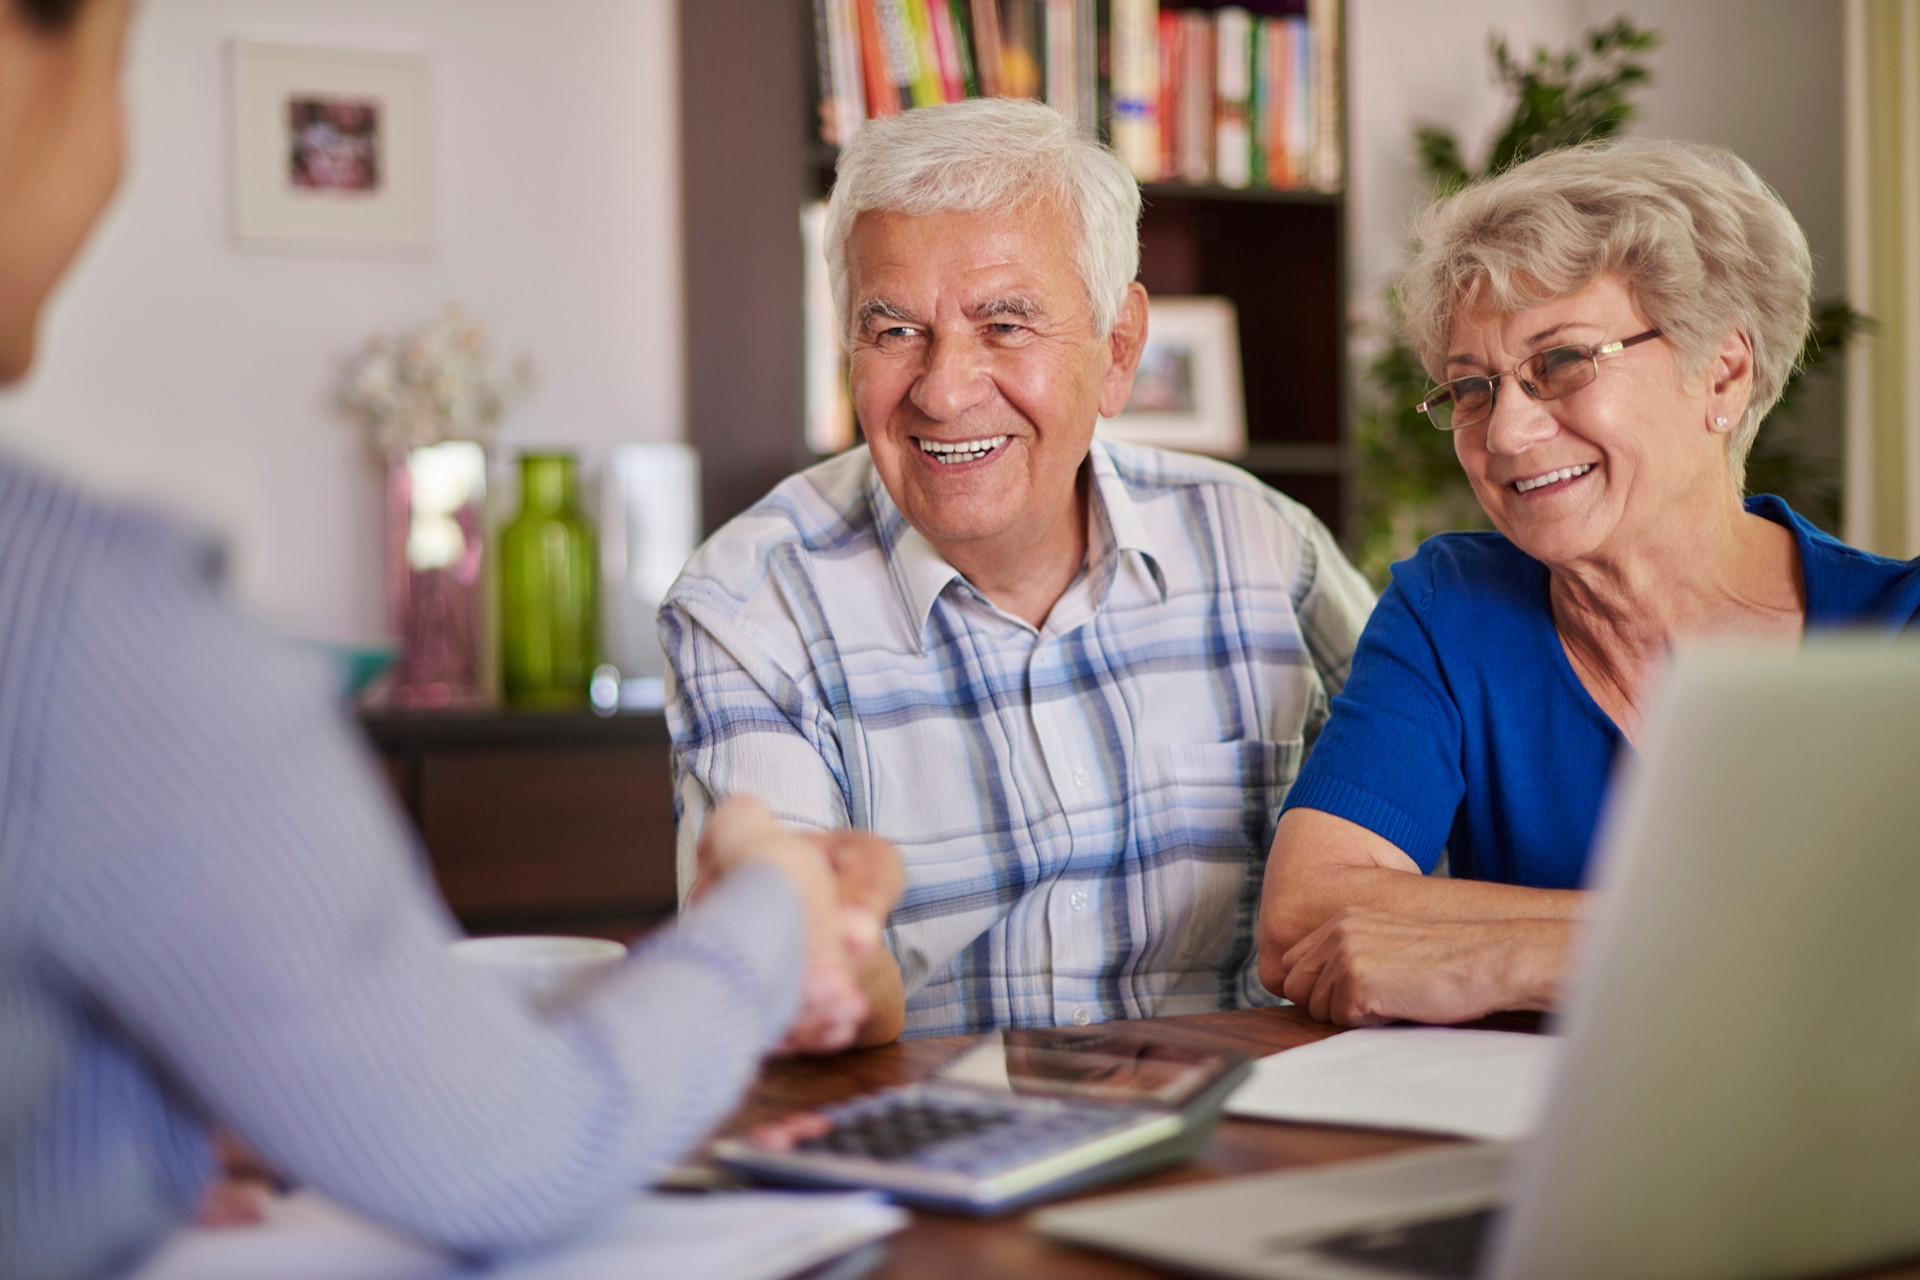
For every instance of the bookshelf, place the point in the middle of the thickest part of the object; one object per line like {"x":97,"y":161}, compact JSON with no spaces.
{"x":751,"y":157}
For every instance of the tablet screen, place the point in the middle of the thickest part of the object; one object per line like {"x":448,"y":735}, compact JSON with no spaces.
{"x":1101,"y":1063}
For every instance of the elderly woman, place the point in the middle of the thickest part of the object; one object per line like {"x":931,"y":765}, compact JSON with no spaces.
{"x":1608,"y":325}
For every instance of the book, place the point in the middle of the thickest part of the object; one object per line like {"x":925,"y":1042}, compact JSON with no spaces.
{"x":1328,"y":163}
{"x":923,"y":71}
{"x":883,"y":99}
{"x":897,"y":51}
{"x":1135,"y":45}
{"x":843,"y":55}
{"x":1195,"y":143}
{"x":1022,"y":38}
{"x":986,"y":45}
{"x":963,"y":48}
{"x":1299,"y":121}
{"x":1260,"y":104}
{"x":823,"y":73}
{"x":1233,"y":94}
{"x":1172,"y":58}
{"x":946,"y":55}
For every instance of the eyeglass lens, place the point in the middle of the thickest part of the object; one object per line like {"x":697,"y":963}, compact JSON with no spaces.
{"x":1546,"y":375}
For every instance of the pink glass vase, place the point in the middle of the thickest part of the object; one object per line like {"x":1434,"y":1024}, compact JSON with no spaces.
{"x":436,"y":522}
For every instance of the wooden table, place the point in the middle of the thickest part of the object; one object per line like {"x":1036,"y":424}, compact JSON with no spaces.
{"x":938,"y":1246}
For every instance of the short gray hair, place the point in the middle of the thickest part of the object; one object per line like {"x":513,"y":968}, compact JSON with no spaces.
{"x":992,"y":155}
{"x":1702,"y":243}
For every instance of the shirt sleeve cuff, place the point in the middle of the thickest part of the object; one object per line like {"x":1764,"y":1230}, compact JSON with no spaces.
{"x":1363,"y":808}
{"x":751,"y":930}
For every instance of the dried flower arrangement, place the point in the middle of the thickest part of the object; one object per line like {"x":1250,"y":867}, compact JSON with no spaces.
{"x":434,"y":384}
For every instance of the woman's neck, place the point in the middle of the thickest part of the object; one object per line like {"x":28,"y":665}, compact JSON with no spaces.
{"x":1620,"y":615}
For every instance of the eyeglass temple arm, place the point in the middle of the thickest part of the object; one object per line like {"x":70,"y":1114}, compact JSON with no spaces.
{"x":1611,"y":347}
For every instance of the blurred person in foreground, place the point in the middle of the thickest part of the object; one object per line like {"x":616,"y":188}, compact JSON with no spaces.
{"x":210,"y":915}
{"x":1070,"y":679}
{"x":1608,"y":325}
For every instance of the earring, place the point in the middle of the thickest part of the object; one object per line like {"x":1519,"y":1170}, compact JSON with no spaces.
{"x":1720,"y":421}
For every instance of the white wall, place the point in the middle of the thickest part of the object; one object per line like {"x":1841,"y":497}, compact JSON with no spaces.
{"x":176,"y":366}
{"x":1762,"y":77}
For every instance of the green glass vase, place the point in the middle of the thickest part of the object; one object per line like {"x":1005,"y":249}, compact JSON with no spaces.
{"x":549,"y":606}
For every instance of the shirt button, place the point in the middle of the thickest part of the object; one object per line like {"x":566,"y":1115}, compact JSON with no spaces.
{"x":1077,"y":899}
{"x":1081,"y":1017}
{"x":1081,"y":778}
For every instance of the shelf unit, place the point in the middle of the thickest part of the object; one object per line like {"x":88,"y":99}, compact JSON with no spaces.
{"x":751,"y":157}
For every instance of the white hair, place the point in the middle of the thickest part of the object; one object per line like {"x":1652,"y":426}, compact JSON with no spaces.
{"x":992,"y":155}
{"x":1703,"y":244}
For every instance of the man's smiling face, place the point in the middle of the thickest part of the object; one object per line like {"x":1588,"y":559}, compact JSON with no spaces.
{"x":977,"y":375}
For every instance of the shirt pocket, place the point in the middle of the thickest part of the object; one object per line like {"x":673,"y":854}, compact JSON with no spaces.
{"x":1207,"y":813}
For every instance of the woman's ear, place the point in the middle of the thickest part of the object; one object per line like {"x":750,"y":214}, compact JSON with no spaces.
{"x":1730,"y":383}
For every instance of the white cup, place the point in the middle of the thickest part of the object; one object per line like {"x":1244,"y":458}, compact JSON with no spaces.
{"x":546,"y":972}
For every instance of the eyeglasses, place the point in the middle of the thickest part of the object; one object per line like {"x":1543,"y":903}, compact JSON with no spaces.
{"x":1544,"y":375}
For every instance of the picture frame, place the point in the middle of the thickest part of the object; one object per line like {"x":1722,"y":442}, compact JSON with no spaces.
{"x":1187,"y":393}
{"x":331,"y":151}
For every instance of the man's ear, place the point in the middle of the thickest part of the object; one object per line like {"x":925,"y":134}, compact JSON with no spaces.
{"x":1124,"y":345}
{"x":1729,"y":382}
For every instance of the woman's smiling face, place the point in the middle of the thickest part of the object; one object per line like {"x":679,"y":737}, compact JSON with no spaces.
{"x":1632,"y":456}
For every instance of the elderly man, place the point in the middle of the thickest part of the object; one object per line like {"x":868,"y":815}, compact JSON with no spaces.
{"x":1070,"y":680}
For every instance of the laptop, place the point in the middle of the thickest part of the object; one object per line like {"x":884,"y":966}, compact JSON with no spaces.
{"x":1739,"y":1094}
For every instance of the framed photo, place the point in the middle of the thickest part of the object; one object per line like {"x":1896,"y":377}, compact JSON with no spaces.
{"x":1187,"y":393}
{"x":331,"y":151}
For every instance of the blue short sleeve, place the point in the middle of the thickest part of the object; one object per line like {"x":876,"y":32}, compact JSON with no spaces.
{"x":1390,"y":756}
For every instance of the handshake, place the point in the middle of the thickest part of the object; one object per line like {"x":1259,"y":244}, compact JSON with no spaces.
{"x":848,"y":882}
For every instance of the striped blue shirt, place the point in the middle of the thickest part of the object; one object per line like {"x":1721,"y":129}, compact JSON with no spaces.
{"x":210,"y":913}
{"x":1084,"y":808}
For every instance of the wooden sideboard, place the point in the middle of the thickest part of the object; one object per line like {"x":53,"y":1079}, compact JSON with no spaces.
{"x":538,"y":822}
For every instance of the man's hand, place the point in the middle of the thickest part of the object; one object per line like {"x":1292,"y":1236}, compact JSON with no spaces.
{"x":843,"y":916}
{"x":871,"y":880}
{"x":1366,"y":967}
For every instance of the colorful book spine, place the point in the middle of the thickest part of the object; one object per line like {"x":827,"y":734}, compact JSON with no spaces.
{"x":897,"y":51}
{"x":883,"y":99}
{"x":1023,"y":39}
{"x":962,"y":36}
{"x":1135,"y":54}
{"x":986,"y":45}
{"x":1260,"y":105}
{"x":1233,"y":96}
{"x":1195,"y":143}
{"x":849,"y":87}
{"x":1172,"y":58}
{"x":925,"y":83}
{"x":1327,"y":169}
{"x":1299,"y":100}
{"x":829,"y":109}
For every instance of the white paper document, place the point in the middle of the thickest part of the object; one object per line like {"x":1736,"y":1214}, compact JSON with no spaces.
{"x":1475,"y":1084}
{"x":747,"y":1235}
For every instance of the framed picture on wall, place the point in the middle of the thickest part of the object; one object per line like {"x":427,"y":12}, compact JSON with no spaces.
{"x":1187,"y":394}
{"x":330,"y":149}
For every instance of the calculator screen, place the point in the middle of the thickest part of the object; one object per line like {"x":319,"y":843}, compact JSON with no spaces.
{"x":1102,"y":1063}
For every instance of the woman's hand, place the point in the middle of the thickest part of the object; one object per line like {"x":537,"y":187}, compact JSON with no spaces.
{"x":1366,"y":967}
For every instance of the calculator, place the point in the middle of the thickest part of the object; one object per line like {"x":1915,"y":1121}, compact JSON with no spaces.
{"x":1025,"y":1115}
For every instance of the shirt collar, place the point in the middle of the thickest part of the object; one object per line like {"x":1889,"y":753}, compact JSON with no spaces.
{"x":921,"y":573}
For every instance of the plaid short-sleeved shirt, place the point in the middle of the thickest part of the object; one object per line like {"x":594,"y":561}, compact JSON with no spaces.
{"x":1084,"y":809}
